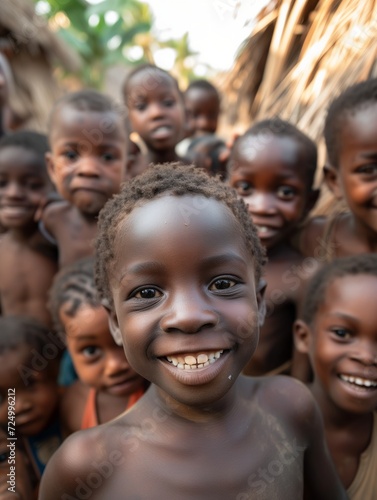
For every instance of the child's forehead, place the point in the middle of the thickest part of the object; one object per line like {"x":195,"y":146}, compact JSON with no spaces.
{"x":272,"y":149}
{"x":148,"y":81}
{"x":22,"y":156}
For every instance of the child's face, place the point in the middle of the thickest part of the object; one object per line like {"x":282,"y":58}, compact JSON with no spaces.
{"x":185,"y":296}
{"x":24,"y":186}
{"x":98,"y":360}
{"x":35,"y":386}
{"x":356,"y":176}
{"x":343,"y":344}
{"x":269,"y":173}
{"x":88,"y":157}
{"x":156,"y":110}
{"x":202,"y":111}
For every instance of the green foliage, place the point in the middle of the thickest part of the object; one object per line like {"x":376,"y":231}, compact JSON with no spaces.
{"x":100,"y":43}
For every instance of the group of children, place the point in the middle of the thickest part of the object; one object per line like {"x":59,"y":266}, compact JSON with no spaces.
{"x":156,"y":298}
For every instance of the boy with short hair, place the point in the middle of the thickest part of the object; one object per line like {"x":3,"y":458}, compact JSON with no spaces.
{"x":337,"y":329}
{"x":155,"y":111}
{"x":179,"y":262}
{"x":272,"y":168}
{"x":87,"y":161}
{"x":351,"y":175}
{"x":27,"y":263}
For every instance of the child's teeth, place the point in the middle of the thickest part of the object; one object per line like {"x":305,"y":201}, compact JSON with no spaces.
{"x":191,"y":362}
{"x":361,"y":382}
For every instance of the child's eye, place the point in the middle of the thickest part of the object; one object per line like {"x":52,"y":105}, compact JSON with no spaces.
{"x":34,"y":185}
{"x":222,"y":284}
{"x":147,"y":293}
{"x":3,"y":183}
{"x":108,"y":156}
{"x":91,"y":351}
{"x":140,"y":106}
{"x":286,"y":192}
{"x":341,"y":333}
{"x":168,"y":103}
{"x":368,"y":169}
{"x":70,"y":154}
{"x":243,"y":188}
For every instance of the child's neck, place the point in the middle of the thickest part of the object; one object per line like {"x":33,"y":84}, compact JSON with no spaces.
{"x":364,"y":235}
{"x":164,"y":156}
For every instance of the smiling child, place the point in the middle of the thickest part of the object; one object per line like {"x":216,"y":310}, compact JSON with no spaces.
{"x":338,"y":331}
{"x":272,"y":167}
{"x":180,"y":263}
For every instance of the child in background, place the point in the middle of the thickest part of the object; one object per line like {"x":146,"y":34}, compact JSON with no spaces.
{"x":179,"y":262}
{"x":272,"y":168}
{"x":87,"y":162}
{"x":27,"y":263}
{"x":29,"y":365}
{"x":107,"y":385}
{"x":202,"y":104}
{"x":155,"y":111}
{"x":351,"y":174}
{"x":338,"y":330}
{"x":206,"y":152}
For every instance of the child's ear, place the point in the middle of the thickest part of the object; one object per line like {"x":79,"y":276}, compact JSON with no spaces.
{"x":301,"y":336}
{"x":331,"y":176}
{"x":50,"y":166}
{"x":114,"y":328}
{"x":113,"y":323}
{"x":262,"y":309}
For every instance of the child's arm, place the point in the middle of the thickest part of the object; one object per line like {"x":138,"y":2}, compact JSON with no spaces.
{"x":320,"y":477}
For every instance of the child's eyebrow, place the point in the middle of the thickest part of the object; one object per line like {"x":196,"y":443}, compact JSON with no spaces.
{"x":370,"y":156}
{"x":144,"y":268}
{"x":345,"y":316}
{"x":226,"y":258}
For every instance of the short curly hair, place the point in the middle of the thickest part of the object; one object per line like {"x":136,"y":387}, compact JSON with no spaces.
{"x":73,"y":286}
{"x":315,"y":294}
{"x":281,"y":128}
{"x":352,"y":100}
{"x":167,"y":179}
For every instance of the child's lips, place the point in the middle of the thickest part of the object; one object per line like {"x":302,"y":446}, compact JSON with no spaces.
{"x":162,"y":132}
{"x":358,"y":386}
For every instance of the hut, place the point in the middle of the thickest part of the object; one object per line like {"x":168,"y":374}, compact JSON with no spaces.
{"x":33,"y":50}
{"x":299,"y":56}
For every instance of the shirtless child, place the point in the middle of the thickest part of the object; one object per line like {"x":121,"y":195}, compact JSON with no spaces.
{"x":272,"y":167}
{"x":27,"y":263}
{"x":87,"y":163}
{"x":180,"y":263}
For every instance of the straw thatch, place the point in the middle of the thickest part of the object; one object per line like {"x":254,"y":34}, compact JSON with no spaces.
{"x":32,"y":50}
{"x":300,"y":55}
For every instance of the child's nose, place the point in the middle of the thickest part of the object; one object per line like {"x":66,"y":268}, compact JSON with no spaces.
{"x":116,"y":362}
{"x":365,"y":353}
{"x":261,"y":203}
{"x":156,"y":110}
{"x":88,"y":166}
{"x":189,"y":313}
{"x":13,"y":190}
{"x":23,"y":405}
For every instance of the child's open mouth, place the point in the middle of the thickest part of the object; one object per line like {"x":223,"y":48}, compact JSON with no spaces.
{"x":193,"y":362}
{"x":360,"y":382}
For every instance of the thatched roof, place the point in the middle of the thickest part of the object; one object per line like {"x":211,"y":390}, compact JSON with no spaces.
{"x":299,"y":56}
{"x":32,"y":50}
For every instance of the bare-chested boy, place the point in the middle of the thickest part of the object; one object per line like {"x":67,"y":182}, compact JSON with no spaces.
{"x":27,"y":263}
{"x":87,"y":161}
{"x":272,"y":167}
{"x":180,"y":262}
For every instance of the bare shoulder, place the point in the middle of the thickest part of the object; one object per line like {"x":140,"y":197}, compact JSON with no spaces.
{"x":80,"y":457}
{"x":290,"y":399}
{"x":55,"y":212}
{"x":311,"y":233}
